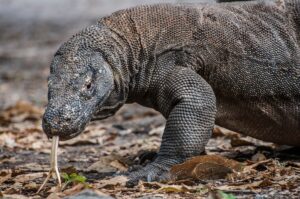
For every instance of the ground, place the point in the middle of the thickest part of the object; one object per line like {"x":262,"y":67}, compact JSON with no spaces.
{"x":233,"y":166}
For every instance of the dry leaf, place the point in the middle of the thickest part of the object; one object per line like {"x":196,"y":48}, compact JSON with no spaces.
{"x":75,"y":189}
{"x":28,"y":177}
{"x":108,"y":164}
{"x":31,"y":186}
{"x":205,"y":167}
{"x":258,"y":157}
{"x":253,"y":166}
{"x":14,"y":196}
{"x":245,"y":186}
{"x":53,"y":196}
{"x":174,"y":189}
{"x":238,"y":141}
{"x":119,"y":165}
{"x":5,"y":175}
{"x":210,"y":171}
{"x":112,"y":182}
{"x":21,"y":111}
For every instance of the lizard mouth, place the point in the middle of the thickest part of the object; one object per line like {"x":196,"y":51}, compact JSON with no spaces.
{"x":69,"y":136}
{"x":63,"y":136}
{"x":67,"y":131}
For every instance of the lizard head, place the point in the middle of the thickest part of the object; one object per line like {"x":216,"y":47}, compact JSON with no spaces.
{"x":79,"y":83}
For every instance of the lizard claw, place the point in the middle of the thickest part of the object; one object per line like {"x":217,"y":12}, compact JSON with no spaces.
{"x":151,"y":172}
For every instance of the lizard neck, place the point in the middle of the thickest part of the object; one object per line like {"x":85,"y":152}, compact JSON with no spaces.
{"x":115,"y":52}
{"x":138,"y":67}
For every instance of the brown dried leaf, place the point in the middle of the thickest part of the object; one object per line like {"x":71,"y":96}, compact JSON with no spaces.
{"x":53,"y":196}
{"x":174,"y":189}
{"x":152,"y":185}
{"x":205,"y":167}
{"x":75,"y":189}
{"x":112,"y":182}
{"x":28,"y":177}
{"x":238,"y":141}
{"x":15,"y":196}
{"x":5,"y":175}
{"x":119,"y":165}
{"x":108,"y":164}
{"x":248,"y":168}
{"x":253,"y":185}
{"x":21,"y":111}
{"x":210,"y":171}
{"x":258,"y":157}
{"x":31,"y":186}
{"x":220,"y":132}
{"x":69,"y":170}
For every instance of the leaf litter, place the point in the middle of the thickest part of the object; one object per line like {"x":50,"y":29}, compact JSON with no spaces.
{"x":234,"y":166}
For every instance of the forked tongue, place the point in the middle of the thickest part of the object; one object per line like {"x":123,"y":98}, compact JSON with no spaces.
{"x":53,"y":164}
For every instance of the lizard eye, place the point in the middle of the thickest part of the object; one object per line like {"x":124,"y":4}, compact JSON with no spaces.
{"x":89,"y":86}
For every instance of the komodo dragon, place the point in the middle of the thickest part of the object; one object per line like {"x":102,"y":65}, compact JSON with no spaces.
{"x":236,"y":65}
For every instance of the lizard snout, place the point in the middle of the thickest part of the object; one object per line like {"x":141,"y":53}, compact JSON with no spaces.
{"x":56,"y":123}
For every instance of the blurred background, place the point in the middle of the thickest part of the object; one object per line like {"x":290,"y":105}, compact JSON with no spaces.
{"x":31,"y":32}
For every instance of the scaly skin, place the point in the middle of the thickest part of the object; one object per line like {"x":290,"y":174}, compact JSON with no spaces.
{"x":232,"y":64}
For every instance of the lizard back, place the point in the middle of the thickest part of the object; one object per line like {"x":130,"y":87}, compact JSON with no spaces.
{"x":248,"y":52}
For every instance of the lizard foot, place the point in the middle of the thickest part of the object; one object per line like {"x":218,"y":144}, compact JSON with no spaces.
{"x":155,"y":171}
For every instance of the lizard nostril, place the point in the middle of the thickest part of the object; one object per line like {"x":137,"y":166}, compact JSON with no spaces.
{"x":55,"y":119}
{"x":68,"y":119}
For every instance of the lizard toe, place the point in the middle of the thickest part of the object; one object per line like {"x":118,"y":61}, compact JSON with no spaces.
{"x":151,"y":172}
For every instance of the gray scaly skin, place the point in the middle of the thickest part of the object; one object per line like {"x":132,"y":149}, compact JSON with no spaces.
{"x":236,"y":65}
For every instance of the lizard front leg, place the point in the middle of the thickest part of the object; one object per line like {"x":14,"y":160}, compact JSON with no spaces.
{"x":189,"y":104}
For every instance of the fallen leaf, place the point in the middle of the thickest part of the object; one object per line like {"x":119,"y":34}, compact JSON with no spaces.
{"x":258,"y":157}
{"x":75,"y":189}
{"x":68,"y":170}
{"x":19,"y":112}
{"x":248,"y":168}
{"x":174,"y":189}
{"x":31,"y":186}
{"x":5,"y":175}
{"x":53,"y":196}
{"x":211,"y":171}
{"x":238,"y":141}
{"x":112,"y":182}
{"x":205,"y":167}
{"x":8,"y":140}
{"x":119,"y":165}
{"x":252,"y":185}
{"x":108,"y":164}
{"x":165,"y":188}
{"x":152,"y":185}
{"x":28,"y":177}
{"x":14,"y":196}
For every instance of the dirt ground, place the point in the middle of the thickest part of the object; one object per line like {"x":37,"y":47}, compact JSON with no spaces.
{"x":233,"y":167}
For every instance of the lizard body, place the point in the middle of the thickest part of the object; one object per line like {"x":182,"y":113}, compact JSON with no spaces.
{"x":236,"y":65}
